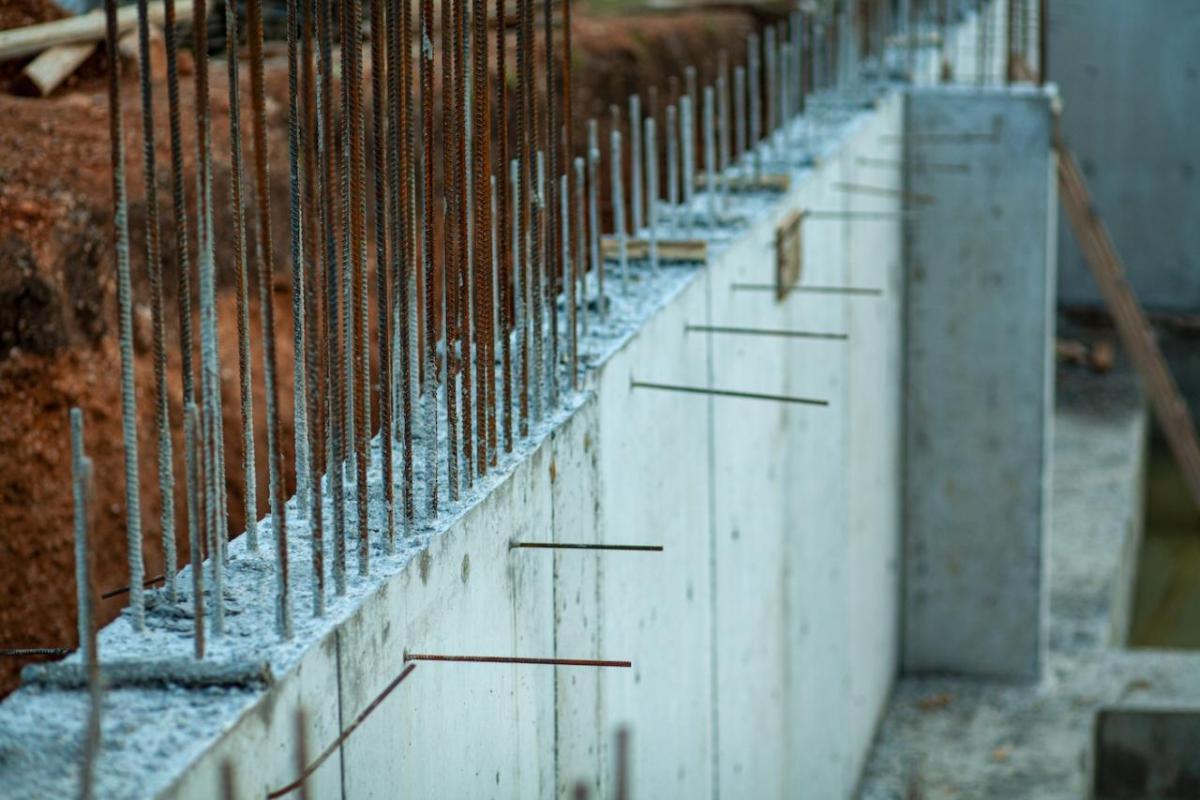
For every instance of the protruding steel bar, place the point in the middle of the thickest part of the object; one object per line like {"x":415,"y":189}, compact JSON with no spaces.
{"x":283,"y":605}
{"x":485,"y":383}
{"x":522,"y":192}
{"x":739,"y":111}
{"x":506,"y":192}
{"x":594,"y":217}
{"x":672,"y":160}
{"x":217,"y":546}
{"x":771,"y":69}
{"x":49,"y":652}
{"x":520,"y":285}
{"x":162,"y":415}
{"x":652,"y":190}
{"x":636,"y":548}
{"x":552,"y":144}
{"x":462,"y":250}
{"x":237,"y":184}
{"x":129,"y":418}
{"x":551,"y":662}
{"x":87,"y":618}
{"x":618,"y":203}
{"x":537,"y":266}
{"x":191,"y":443}
{"x":710,"y":156}
{"x":302,"y":461}
{"x":312,"y":280}
{"x":406,"y":272}
{"x":847,"y":290}
{"x":450,"y":9}
{"x":79,"y":491}
{"x":787,"y":334}
{"x":779,"y":398}
{"x":333,"y":747}
{"x":579,"y":282}
{"x":688,"y":145}
{"x":722,"y":86}
{"x":784,"y":83}
{"x":429,"y":408}
{"x":568,"y":280}
{"x":636,"y":188}
{"x":755,"y":74}
{"x":357,"y":233}
{"x":386,"y":244}
{"x":148,"y":583}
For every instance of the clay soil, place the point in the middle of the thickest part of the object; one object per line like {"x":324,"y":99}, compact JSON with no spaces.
{"x":57,"y":307}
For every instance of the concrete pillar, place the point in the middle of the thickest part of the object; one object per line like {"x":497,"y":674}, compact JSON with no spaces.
{"x":980,"y":299}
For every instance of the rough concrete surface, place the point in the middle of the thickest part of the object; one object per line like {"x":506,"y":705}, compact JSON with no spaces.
{"x":946,"y":738}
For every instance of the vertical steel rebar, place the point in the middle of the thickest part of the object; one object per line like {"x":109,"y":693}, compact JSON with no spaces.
{"x":754,"y":73}
{"x":133,"y":507}
{"x":358,"y":256}
{"x":297,"y":234}
{"x":594,"y":217}
{"x":537,"y":266}
{"x":568,"y":280}
{"x":429,"y":391}
{"x":524,"y":160}
{"x":672,"y":160}
{"x":710,"y":153}
{"x":83,"y":597}
{"x":162,"y":416}
{"x":618,"y":203}
{"x":450,"y":231}
{"x":652,"y":191}
{"x":505,"y":192}
{"x":405,"y":275}
{"x":485,"y":400}
{"x":739,"y":112}
{"x":237,"y":186}
{"x":191,"y":443}
{"x":463,"y":251}
{"x":688,"y":145}
{"x":636,"y":192}
{"x":519,"y":284}
{"x":551,"y":144}
{"x":579,"y":275}
{"x":381,"y":24}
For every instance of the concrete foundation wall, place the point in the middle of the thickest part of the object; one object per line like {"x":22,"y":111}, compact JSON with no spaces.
{"x":1129,"y":75}
{"x":980,"y":286}
{"x":764,"y":639}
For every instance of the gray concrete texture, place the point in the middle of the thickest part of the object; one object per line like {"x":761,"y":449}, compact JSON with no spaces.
{"x":1129,"y":74}
{"x":979,"y":382}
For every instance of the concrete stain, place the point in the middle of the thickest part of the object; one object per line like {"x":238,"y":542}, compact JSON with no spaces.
{"x":423,"y":564}
{"x":466,"y":568}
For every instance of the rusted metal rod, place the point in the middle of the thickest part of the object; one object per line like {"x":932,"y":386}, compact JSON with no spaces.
{"x":552,"y":662}
{"x":779,"y":398}
{"x":638,"y":548}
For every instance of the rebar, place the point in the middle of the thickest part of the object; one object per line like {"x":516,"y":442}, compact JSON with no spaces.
{"x":672,"y":160}
{"x":519,"y":287}
{"x":579,"y":280}
{"x":297,"y":233}
{"x":450,"y":229}
{"x":618,"y":203}
{"x":635,"y":163}
{"x":779,"y":398}
{"x":191,"y":443}
{"x":429,"y":387}
{"x":505,"y":264}
{"x":404,"y":275}
{"x":79,"y":491}
{"x":552,"y":662}
{"x":358,"y":257}
{"x":688,"y":146}
{"x":383,"y":141}
{"x":552,"y":144}
{"x":594,"y":216}
{"x":710,"y":154}
{"x":537,"y":289}
{"x":162,"y":415}
{"x":133,"y":506}
{"x":754,"y":72}
{"x":483,"y":263}
{"x":739,"y":111}
{"x":568,"y":278}
{"x":652,"y":191}
{"x":524,"y":160}
{"x":237,"y":186}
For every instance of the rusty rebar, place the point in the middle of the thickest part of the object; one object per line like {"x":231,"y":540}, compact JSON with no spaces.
{"x":552,"y":144}
{"x":552,"y":662}
{"x":343,"y":736}
{"x":485,"y":401}
{"x":383,"y":122}
{"x":162,"y":412}
{"x":237,"y":186}
{"x":116,"y":134}
{"x":505,"y":265}
{"x":301,"y":462}
{"x":450,"y":231}
{"x":358,"y":257}
{"x":429,"y":387}
{"x":779,"y":398}
{"x":579,"y":282}
{"x":463,"y":246}
{"x":525,"y":148}
{"x":191,"y":442}
{"x":632,"y":548}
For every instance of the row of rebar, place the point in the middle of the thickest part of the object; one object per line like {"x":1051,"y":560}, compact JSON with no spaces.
{"x":474,"y":254}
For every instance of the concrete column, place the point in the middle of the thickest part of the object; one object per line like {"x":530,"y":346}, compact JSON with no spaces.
{"x":980,"y":284}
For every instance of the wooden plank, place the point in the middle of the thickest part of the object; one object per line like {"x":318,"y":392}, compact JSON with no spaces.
{"x":677,"y":251}
{"x":789,"y":253}
{"x":55,"y":65}
{"x":33,"y":39}
{"x":1170,"y":409}
{"x":769,"y":182}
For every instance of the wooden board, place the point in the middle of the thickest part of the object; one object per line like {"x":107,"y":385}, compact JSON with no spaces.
{"x":679,"y":251}
{"x":33,"y":39}
{"x":1170,"y":409}
{"x":789,"y":253}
